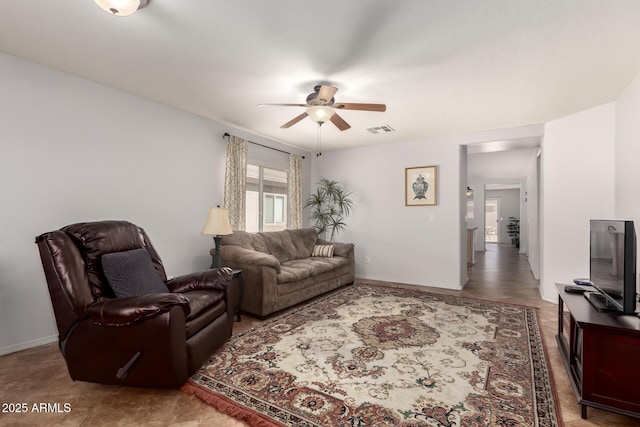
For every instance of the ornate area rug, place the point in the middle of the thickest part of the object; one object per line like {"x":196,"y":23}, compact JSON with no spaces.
{"x":376,"y":356}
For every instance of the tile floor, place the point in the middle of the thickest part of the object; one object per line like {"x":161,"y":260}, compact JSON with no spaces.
{"x":39,"y":375}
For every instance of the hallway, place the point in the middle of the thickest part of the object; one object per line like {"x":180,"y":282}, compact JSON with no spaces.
{"x":501,"y":273}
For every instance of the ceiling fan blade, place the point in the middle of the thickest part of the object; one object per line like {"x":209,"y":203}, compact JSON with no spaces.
{"x":293,"y":121}
{"x":282,"y":105}
{"x":339,"y":122}
{"x":326,"y":92}
{"x":363,"y":107}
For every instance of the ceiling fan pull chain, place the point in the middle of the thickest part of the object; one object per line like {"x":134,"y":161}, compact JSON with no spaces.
{"x":318,"y":152}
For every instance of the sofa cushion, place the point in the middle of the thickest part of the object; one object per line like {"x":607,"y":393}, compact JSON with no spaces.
{"x":285,"y":245}
{"x":294,"y":270}
{"x":290,"y":273}
{"x":246,"y":240}
{"x":305,"y":240}
{"x":239,"y":238}
{"x":259,"y":243}
{"x":290,"y":244}
{"x":132,"y":273}
{"x":279,"y":244}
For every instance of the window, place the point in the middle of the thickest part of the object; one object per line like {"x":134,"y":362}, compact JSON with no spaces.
{"x":266,"y":199}
{"x":274,"y":209}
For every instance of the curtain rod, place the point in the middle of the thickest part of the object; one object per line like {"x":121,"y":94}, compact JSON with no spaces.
{"x":226,"y":135}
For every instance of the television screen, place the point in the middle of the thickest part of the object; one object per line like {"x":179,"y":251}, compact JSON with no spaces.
{"x":612,"y":262}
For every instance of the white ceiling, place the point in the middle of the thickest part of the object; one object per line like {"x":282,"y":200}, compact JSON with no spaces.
{"x":442,"y":67}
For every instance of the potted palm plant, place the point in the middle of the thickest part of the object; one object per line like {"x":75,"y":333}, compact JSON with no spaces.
{"x":329,"y":205}
{"x":513,"y":229}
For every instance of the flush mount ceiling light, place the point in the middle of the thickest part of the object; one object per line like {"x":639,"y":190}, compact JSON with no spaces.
{"x":121,"y":7}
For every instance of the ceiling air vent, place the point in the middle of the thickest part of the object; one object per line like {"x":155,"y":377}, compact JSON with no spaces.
{"x":381,"y":129}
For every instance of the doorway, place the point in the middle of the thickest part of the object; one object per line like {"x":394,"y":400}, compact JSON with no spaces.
{"x":502,"y":158}
{"x":491,"y":220}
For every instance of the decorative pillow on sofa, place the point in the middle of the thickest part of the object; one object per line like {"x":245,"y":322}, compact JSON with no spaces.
{"x":131,"y":273}
{"x":323,"y":250}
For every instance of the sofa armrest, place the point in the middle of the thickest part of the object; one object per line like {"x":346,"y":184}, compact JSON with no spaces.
{"x":218,"y":278}
{"x":241,"y":257}
{"x":343,"y":249}
{"x":125,"y":311}
{"x":339,"y":249}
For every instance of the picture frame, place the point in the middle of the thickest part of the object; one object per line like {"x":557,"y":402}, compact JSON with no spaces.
{"x":421,"y":187}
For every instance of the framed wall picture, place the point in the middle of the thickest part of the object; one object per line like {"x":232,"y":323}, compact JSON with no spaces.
{"x":420,"y":187}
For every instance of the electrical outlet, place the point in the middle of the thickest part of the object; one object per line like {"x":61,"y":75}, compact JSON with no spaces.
{"x":367,"y":260}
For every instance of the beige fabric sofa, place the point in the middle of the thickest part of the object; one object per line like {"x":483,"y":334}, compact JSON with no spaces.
{"x":278,"y":268}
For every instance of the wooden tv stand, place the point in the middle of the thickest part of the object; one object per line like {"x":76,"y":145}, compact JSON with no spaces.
{"x":601,"y":351}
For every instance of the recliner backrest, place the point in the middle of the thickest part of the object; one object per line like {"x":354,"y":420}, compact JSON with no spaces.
{"x":71,"y":258}
{"x":95,"y":239}
{"x":67,"y":278}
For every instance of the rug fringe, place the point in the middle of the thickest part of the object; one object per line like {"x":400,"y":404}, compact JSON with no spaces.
{"x":552,"y":372}
{"x":229,"y":407}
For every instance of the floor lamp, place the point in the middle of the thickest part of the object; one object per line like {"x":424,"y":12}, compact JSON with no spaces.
{"x":217,"y":225}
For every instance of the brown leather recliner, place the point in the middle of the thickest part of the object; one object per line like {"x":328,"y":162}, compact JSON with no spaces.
{"x":151,"y":340}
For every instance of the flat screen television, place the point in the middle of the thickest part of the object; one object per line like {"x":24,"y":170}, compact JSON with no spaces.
{"x":612,"y":265}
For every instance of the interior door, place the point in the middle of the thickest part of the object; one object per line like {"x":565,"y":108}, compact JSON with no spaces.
{"x":491,"y":220}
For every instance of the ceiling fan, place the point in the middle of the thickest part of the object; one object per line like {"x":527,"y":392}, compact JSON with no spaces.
{"x":321,"y":106}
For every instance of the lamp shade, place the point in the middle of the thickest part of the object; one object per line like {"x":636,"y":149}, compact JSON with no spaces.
{"x":320,"y":113}
{"x":217,"y":222}
{"x":121,"y":7}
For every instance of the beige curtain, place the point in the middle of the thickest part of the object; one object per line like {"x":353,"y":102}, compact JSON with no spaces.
{"x":295,"y":191}
{"x":235,"y":181}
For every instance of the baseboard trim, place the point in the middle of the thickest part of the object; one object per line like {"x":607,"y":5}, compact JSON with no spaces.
{"x":28,"y":344}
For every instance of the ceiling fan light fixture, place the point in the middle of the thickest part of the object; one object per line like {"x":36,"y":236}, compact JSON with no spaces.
{"x":121,"y":7}
{"x":320,"y":113}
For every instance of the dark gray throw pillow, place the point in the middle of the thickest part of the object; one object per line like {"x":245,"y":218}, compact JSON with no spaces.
{"x":131,"y":273}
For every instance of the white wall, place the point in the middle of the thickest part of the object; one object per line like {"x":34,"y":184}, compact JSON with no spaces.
{"x":402,"y":243}
{"x":462,"y":203}
{"x":627,"y":155}
{"x":501,"y":166}
{"x":578,"y":183}
{"x":532,"y":203}
{"x":72,"y":150}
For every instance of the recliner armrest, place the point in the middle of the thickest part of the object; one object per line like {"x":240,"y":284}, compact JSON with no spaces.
{"x":125,"y":311}
{"x":217,"y":278}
